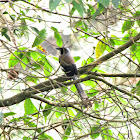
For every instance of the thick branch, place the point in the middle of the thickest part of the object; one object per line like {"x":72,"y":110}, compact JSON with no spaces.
{"x":46,"y":86}
{"x":109,"y":55}
{"x":124,"y":75}
{"x":97,"y":37}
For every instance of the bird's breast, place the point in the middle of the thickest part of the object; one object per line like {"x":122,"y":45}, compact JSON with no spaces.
{"x":66,"y":60}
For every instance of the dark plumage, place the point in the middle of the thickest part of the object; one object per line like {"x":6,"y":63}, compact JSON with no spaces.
{"x":67,"y":62}
{"x":69,"y":67}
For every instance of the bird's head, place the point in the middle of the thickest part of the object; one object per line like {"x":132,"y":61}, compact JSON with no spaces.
{"x":63,"y":50}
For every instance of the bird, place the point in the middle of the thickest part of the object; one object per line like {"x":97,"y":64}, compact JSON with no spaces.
{"x":69,"y":67}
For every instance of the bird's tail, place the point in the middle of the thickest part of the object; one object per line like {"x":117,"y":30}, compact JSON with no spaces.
{"x":82,"y":93}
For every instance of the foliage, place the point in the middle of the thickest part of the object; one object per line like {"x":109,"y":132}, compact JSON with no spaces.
{"x":38,"y":101}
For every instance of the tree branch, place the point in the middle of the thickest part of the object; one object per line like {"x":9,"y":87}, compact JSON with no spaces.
{"x":111,"y":54}
{"x":124,"y":75}
{"x":56,"y":13}
{"x":46,"y":86}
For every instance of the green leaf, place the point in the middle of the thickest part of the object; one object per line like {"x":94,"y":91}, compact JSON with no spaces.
{"x":90,"y":83}
{"x":4,"y":33}
{"x":93,"y":130}
{"x":55,"y":58}
{"x":98,"y":11}
{"x":116,"y":3}
{"x":7,"y":37}
{"x":100,"y":48}
{"x":24,"y":28}
{"x":5,"y":12}
{"x":92,"y":92}
{"x":84,"y":62}
{"x":72,"y":11}
{"x":22,"y":48}
{"x":135,"y":48}
{"x":53,"y":4}
{"x":9,"y":114}
{"x":120,"y":136}
{"x":26,"y":61}
{"x":22,"y":12}
{"x":64,"y":89}
{"x":79,"y":6}
{"x":107,"y":134}
{"x":59,"y":111}
{"x":137,"y":15}
{"x":116,"y":41}
{"x":73,"y":89}
{"x":129,"y":36}
{"x":68,"y":1}
{"x":79,"y":115}
{"x":29,"y":123}
{"x":71,"y":113}
{"x":90,"y":10}
{"x":78,"y":23}
{"x":76,"y":58}
{"x":47,"y":67}
{"x":29,"y":107}
{"x":42,"y":57}
{"x":96,"y":104}
{"x":110,"y":132}
{"x":40,"y":38}
{"x":12,"y":61}
{"x":20,"y":119}
{"x":33,"y":78}
{"x":47,"y":111}
{"x":138,"y":55}
{"x":66,"y":132}
{"x":12,"y":17}
{"x":35,"y":30}
{"x":105,"y":3}
{"x":90,"y":60}
{"x":30,"y":19}
{"x":34,"y":55}
{"x":45,"y":137}
{"x":17,"y":33}
{"x":127,"y":25}
{"x":57,"y":36}
{"x":26,"y":138}
{"x":36,"y":66}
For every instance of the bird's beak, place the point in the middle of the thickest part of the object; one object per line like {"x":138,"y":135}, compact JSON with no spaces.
{"x":58,"y":48}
